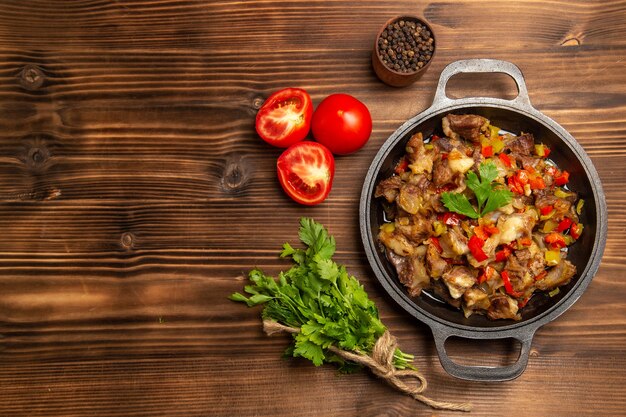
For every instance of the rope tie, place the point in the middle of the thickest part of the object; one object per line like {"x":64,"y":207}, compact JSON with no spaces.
{"x":381,"y":364}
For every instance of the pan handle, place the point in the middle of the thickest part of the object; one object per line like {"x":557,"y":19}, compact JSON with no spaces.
{"x":483,"y":373}
{"x":487,"y":66}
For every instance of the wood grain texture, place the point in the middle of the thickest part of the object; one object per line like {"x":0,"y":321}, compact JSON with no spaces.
{"x":135,"y":195}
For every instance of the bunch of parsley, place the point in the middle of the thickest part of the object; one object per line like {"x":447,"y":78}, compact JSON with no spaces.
{"x":318,"y":296}
{"x":490,"y":195}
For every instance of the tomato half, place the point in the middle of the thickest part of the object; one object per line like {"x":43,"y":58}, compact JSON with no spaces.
{"x":306,"y":171}
{"x":342,"y":123}
{"x":285,"y":117}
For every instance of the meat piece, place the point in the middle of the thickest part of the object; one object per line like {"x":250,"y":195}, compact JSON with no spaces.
{"x":517,"y":267}
{"x":458,"y":280}
{"x":454,"y":242}
{"x":397,"y":242}
{"x":466,"y":126}
{"x":411,"y":272}
{"x":557,"y":276}
{"x":561,"y":208}
{"x":459,"y":162}
{"x":521,"y":145}
{"x":389,"y":188}
{"x":442,"y":174}
{"x":476,"y":299}
{"x":410,"y":198}
{"x":420,"y":181}
{"x":418,"y":231}
{"x":545,"y":197}
{"x":516,"y":226}
{"x":441,"y":290}
{"x":537,"y":262}
{"x":446,"y":144}
{"x":437,"y":266}
{"x":503,"y":307}
{"x":415,"y":147}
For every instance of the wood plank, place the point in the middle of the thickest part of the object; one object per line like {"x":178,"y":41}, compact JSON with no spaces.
{"x":135,"y":195}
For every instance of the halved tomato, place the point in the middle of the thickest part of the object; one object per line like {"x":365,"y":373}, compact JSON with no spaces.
{"x":306,"y":171}
{"x":285,"y":117}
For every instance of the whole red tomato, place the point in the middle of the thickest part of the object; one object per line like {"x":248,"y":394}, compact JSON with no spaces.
{"x":342,"y":123}
{"x":305,"y":171}
{"x":285,"y":117}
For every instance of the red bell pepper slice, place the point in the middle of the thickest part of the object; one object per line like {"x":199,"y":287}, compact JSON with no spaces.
{"x":525,"y":241}
{"x":562,"y":179}
{"x":436,"y":244}
{"x":485,"y":274}
{"x":508,"y":286}
{"x":503,"y":254}
{"x":555,"y":240}
{"x":537,"y":183}
{"x":434,"y":138}
{"x":487,"y":151}
{"x":576,"y":230}
{"x":401,"y":166}
{"x":564,"y":224}
{"x":476,"y":248}
{"x":545,"y":210}
{"x":505,"y":160}
{"x":514,"y":185}
{"x":452,"y":219}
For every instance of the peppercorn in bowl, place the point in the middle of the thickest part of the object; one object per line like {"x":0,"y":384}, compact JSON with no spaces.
{"x":403,"y":50}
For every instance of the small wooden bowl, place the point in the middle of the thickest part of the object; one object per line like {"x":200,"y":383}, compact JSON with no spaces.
{"x":390,"y":76}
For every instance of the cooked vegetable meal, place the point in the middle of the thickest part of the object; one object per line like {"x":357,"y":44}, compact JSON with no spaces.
{"x":480,"y":217}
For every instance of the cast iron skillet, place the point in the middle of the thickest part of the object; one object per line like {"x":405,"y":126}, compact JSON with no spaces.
{"x":516,"y":115}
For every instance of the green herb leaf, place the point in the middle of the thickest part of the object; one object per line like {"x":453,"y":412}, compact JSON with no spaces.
{"x":458,"y":203}
{"x":488,"y":196}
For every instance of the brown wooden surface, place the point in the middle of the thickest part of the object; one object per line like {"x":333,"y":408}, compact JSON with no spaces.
{"x":134,"y":195}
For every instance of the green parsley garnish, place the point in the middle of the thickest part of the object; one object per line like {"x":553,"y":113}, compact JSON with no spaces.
{"x":489,"y":195}
{"x":318,"y":296}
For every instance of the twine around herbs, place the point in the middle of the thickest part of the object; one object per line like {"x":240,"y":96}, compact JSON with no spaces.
{"x":381,"y":364}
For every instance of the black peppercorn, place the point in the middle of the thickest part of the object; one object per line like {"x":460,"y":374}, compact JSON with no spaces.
{"x":405,"y":46}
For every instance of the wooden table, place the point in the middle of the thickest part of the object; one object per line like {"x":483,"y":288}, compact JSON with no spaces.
{"x":135,"y":196}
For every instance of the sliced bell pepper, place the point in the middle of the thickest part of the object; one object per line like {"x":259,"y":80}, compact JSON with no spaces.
{"x":505,"y":160}
{"x":514,"y":185}
{"x":486,"y":274}
{"x":525,"y":241}
{"x":552,"y":257}
{"x":562,"y":179}
{"x":579,"y":206}
{"x":542,"y":151}
{"x":436,"y":244}
{"x":503,"y":254}
{"x":549,"y":226}
{"x":476,"y":248}
{"x":576,"y":230}
{"x":555,"y":240}
{"x":537,"y":183}
{"x":487,"y":151}
{"x":484,"y":232}
{"x":564,"y":224}
{"x":508,"y":286}
{"x":434,"y":138}
{"x":402,"y":165}
{"x":545,"y":210}
{"x":452,"y":219}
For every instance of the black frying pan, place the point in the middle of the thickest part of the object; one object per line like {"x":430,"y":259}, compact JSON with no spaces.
{"x":516,"y":115}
